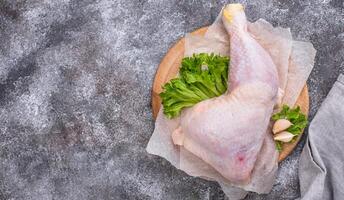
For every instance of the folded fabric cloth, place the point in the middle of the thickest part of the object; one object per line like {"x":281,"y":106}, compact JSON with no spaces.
{"x":321,"y":170}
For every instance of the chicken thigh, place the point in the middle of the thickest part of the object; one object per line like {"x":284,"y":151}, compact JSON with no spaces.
{"x":228,"y":131}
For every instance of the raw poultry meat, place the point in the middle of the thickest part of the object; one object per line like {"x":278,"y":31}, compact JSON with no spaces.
{"x":227,"y":132}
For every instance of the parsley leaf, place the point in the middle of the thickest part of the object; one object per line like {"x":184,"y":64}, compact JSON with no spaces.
{"x":279,"y":146}
{"x":296,"y":117}
{"x":201,"y":77}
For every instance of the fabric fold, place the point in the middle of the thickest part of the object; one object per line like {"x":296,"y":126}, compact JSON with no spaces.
{"x":321,"y":169}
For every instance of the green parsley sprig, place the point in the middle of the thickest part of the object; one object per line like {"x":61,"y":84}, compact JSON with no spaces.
{"x":296,"y":117}
{"x":202,"y":76}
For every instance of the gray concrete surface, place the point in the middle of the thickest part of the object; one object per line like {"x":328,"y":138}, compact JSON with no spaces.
{"x":75,"y":82}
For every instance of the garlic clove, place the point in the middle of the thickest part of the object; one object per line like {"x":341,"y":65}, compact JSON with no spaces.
{"x":284,"y":136}
{"x":281,"y":125}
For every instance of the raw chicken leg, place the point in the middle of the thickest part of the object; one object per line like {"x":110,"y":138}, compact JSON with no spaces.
{"x":227,"y":132}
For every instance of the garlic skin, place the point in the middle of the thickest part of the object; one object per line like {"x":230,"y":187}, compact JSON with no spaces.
{"x":284,"y":136}
{"x":281,"y":125}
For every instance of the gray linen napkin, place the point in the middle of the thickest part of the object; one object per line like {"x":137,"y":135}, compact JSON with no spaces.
{"x":321,"y":170}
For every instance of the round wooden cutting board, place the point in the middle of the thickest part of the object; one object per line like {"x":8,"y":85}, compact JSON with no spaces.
{"x":169,"y":68}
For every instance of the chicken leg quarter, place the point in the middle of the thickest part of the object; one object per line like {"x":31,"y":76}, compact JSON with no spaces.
{"x":228,"y":131}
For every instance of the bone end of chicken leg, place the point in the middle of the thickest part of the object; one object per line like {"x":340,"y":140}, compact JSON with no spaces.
{"x":231,"y":10}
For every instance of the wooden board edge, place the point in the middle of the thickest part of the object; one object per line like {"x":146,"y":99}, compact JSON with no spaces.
{"x":170,"y":61}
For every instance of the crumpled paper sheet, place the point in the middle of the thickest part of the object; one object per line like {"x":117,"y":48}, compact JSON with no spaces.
{"x":294,"y":61}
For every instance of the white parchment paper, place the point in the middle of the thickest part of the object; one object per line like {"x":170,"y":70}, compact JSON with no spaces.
{"x":294,"y":61}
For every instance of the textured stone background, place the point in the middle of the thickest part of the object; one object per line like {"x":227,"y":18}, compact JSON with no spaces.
{"x":75,"y":82}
